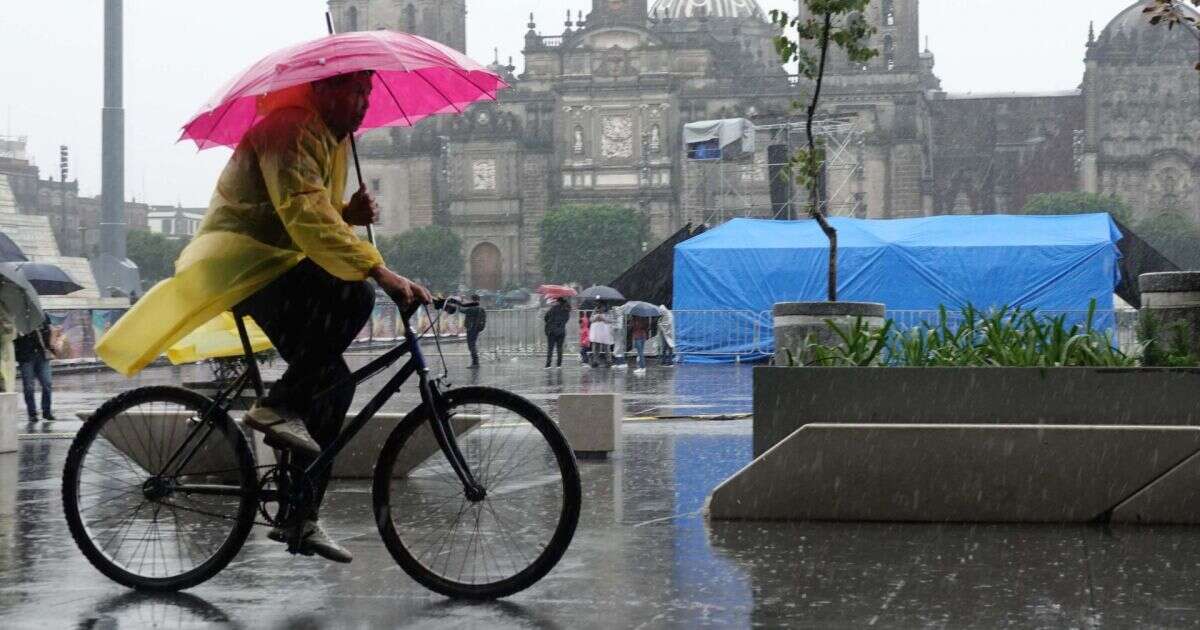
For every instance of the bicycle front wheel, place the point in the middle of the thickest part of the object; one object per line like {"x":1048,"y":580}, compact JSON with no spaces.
{"x":159,"y":489}
{"x":490,"y":548}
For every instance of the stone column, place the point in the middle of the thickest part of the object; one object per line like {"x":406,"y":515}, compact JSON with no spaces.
{"x":1171,"y":308}
{"x":798,"y":324}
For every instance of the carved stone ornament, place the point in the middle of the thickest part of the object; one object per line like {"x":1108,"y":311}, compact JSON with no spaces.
{"x":483,"y":174}
{"x":616,"y":137}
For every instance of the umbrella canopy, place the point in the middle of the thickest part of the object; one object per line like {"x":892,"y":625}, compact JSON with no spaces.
{"x":9,"y":251}
{"x":217,"y":339}
{"x":19,"y":301}
{"x":414,"y":78}
{"x":47,"y":279}
{"x":601,"y":293}
{"x":555,"y":291}
{"x":641,"y":309}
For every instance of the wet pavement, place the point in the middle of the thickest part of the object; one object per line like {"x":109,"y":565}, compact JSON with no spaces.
{"x":643,"y":556}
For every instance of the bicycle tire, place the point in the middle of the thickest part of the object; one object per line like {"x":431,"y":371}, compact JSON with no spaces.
{"x":385,"y":475}
{"x":244,"y":465}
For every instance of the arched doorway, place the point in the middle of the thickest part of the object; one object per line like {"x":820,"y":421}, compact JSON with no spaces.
{"x":486,"y":267}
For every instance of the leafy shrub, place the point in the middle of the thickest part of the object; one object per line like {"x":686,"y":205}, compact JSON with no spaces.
{"x":1005,"y":337}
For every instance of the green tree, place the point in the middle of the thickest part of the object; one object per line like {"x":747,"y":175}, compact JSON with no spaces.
{"x":1079,"y":203}
{"x":836,"y":23}
{"x":430,"y":255}
{"x":590,"y":244}
{"x":153,"y":253}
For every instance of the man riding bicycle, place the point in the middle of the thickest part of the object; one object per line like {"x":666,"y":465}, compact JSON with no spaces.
{"x":277,"y":243}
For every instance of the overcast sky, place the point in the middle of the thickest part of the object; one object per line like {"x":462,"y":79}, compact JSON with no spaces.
{"x":178,"y":53}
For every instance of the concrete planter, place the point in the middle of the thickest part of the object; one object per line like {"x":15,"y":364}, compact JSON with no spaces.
{"x":800,"y":323}
{"x":786,"y":399}
{"x":1172,"y":299}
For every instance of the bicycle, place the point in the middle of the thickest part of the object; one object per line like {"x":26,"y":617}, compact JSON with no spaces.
{"x":476,"y":492}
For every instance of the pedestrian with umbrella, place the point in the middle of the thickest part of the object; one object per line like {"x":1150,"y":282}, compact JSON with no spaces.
{"x":640,"y":315}
{"x":279,"y":244}
{"x":600,"y":336}
{"x":556,"y":329}
{"x":31,"y":350}
{"x":20,"y":314}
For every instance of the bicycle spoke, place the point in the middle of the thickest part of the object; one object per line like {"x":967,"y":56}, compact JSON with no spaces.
{"x":135,"y":515}
{"x":488,"y":542}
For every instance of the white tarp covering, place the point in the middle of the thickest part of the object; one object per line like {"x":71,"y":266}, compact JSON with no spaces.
{"x":727,"y":132}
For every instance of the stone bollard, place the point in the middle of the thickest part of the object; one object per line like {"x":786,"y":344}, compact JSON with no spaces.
{"x":591,"y":423}
{"x":1171,"y":307}
{"x":10,"y":410}
{"x":800,"y":323}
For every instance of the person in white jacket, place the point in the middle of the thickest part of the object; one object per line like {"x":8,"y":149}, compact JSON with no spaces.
{"x":666,"y":336}
{"x":616,"y":318}
{"x":601,"y":337}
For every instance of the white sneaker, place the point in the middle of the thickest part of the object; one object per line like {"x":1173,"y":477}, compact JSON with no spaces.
{"x":621,"y":366}
{"x":315,"y":540}
{"x":640,"y":371}
{"x":282,"y":428}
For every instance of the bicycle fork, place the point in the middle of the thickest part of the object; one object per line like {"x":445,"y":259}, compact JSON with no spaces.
{"x":443,"y":432}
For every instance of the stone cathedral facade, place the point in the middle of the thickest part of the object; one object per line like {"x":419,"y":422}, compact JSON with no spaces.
{"x":596,"y":117}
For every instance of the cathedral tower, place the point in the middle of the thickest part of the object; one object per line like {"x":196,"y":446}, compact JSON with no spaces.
{"x":440,"y":20}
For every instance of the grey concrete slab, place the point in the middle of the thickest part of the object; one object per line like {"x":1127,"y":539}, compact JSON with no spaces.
{"x":1173,"y":497}
{"x":963,"y":473}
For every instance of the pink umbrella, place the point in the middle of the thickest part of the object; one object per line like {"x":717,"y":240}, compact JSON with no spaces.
{"x":414,"y":78}
{"x":555,"y":291}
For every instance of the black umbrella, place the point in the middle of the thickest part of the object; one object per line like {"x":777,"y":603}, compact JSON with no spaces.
{"x":19,"y":302}
{"x":641,"y":309}
{"x":601,"y":293}
{"x":46,"y":278}
{"x":9,"y":252}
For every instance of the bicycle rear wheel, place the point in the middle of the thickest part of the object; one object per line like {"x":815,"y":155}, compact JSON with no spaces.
{"x":149,"y":519}
{"x":491,"y":548}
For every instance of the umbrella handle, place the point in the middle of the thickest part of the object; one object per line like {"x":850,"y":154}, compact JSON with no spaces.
{"x":353,"y":145}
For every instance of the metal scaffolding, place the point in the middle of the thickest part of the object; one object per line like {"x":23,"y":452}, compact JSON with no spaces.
{"x":723,"y":189}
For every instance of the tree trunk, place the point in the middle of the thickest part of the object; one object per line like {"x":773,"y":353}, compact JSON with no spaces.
{"x":816,"y":203}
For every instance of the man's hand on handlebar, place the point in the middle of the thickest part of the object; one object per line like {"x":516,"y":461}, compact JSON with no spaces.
{"x":405,"y":292}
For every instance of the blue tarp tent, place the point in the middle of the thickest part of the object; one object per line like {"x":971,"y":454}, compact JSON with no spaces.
{"x":1052,"y":263}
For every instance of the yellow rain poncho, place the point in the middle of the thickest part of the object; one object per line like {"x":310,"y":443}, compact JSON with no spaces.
{"x":217,"y":339}
{"x":278,"y":201}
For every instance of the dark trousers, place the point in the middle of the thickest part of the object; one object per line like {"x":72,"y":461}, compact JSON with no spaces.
{"x":555,"y":342}
{"x":36,"y":369}
{"x":312,"y":317}
{"x":472,"y":347}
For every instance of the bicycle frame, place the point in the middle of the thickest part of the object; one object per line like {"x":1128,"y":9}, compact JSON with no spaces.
{"x":430,"y":396}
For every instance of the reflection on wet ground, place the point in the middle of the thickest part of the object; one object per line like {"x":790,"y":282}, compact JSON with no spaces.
{"x":643,"y":555}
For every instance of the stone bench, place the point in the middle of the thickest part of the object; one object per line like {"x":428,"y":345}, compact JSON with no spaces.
{"x":591,"y":423}
{"x":970,"y":473}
